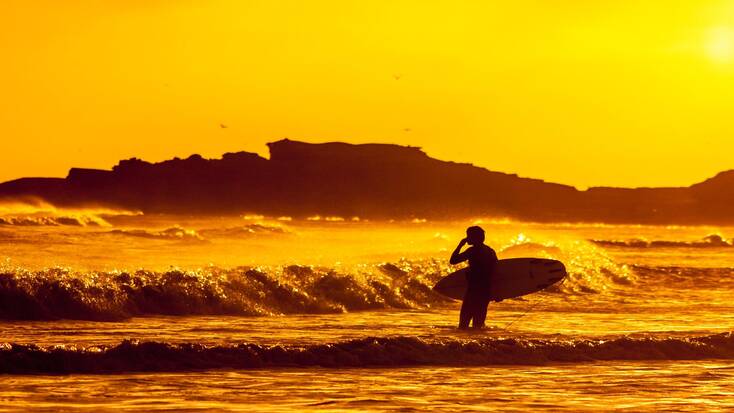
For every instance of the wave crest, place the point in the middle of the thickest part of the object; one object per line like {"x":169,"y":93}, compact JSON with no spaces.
{"x":53,"y":221}
{"x":59,"y":293}
{"x":36,"y":212}
{"x":709,"y":241}
{"x":246,"y":230}
{"x":297,"y":289}
{"x":590,"y":269}
{"x":131,"y":355}
{"x":173,"y":233}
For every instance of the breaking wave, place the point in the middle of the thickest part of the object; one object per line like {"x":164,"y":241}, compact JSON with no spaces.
{"x":108,"y":296}
{"x":179,"y":233}
{"x":686,"y":277}
{"x":173,"y":233}
{"x":249,"y":229}
{"x":530,"y":249}
{"x":131,"y":355}
{"x":710,"y":241}
{"x":54,"y":221}
{"x":59,"y":293}
{"x":36,"y":212}
{"x":590,"y":269}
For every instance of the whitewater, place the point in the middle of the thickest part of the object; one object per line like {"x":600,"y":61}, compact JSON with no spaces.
{"x":114,"y":310}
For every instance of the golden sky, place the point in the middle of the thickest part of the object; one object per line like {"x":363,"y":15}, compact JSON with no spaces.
{"x":603,"y":92}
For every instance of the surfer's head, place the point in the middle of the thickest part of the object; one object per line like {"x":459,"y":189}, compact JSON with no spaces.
{"x":474,"y":235}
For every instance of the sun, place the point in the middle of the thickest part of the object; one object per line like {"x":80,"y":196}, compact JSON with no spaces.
{"x":719,"y":44}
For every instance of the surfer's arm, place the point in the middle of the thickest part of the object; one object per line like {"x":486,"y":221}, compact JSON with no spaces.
{"x":457,"y":256}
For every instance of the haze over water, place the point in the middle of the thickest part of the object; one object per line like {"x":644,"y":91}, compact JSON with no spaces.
{"x":336,"y":313}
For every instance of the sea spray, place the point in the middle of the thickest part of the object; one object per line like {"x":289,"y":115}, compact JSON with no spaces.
{"x":709,"y":241}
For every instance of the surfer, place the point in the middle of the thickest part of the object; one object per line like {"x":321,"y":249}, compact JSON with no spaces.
{"x":482,"y":261}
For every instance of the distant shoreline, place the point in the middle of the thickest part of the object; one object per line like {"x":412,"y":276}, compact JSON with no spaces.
{"x":372,"y":181}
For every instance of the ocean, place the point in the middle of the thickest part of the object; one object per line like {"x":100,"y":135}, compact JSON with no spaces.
{"x":114,"y":310}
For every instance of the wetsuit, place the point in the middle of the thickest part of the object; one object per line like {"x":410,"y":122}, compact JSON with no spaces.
{"x":482,"y":262}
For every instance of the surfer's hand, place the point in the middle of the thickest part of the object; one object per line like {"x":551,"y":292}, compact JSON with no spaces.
{"x":462,"y":242}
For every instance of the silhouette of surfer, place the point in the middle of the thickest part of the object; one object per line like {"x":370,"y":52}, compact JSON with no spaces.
{"x":482,"y":262}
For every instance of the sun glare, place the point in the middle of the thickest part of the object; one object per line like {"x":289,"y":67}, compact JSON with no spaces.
{"x":720,"y":44}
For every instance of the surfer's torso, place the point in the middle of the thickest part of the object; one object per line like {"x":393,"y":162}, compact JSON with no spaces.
{"x":482,"y":263}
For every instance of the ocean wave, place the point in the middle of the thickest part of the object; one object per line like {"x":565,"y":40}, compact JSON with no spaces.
{"x":36,"y":212}
{"x":590,"y":269}
{"x":709,"y":241}
{"x":60,"y":293}
{"x":245,"y":230}
{"x":686,"y":277}
{"x":525,"y":249}
{"x":53,"y":221}
{"x":173,"y":233}
{"x":131,"y":355}
{"x":178,"y":233}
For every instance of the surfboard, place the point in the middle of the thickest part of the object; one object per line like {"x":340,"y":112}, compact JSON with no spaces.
{"x":513,"y":277}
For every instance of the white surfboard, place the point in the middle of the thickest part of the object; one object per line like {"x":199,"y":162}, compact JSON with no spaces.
{"x":514,"y":277}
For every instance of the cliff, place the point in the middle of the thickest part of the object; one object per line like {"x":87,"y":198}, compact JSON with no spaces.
{"x":371,"y":180}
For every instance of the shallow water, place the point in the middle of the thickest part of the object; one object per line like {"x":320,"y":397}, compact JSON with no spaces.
{"x":242,"y":312}
{"x":630,"y":386}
